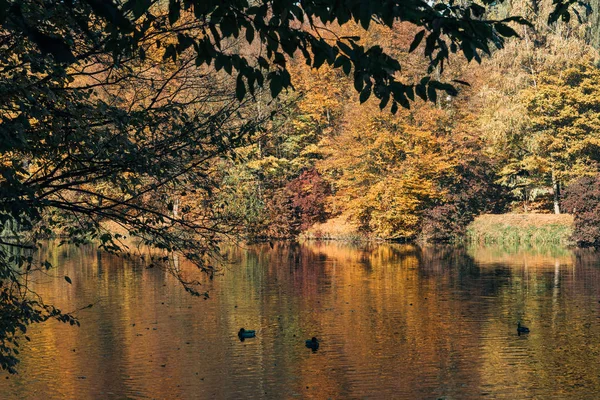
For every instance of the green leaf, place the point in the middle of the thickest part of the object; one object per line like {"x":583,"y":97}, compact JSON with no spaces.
{"x":505,"y":30}
{"x":468,"y":50}
{"x":461,"y":82}
{"x":227,"y":27}
{"x":170,"y":52}
{"x":477,"y":10}
{"x":263,"y":63}
{"x":339,"y":61}
{"x":365,"y":94}
{"x":275,"y":85}
{"x":218,"y":64}
{"x":140,"y":7}
{"x":518,"y":20}
{"x":416,"y":41}
{"x":384,"y":101}
{"x":431,"y":93}
{"x":358,"y":82}
{"x":403,"y":101}
{"x":421,"y":92}
{"x":249,"y":34}
{"x":319,"y":59}
{"x":174,"y":11}
{"x":240,"y":88}
{"x":410,"y":92}
{"x":347,"y":67}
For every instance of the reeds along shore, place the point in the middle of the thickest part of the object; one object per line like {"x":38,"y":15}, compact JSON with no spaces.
{"x":521,"y":229}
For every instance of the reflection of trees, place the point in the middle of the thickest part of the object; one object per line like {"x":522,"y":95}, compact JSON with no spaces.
{"x":393,"y":320}
{"x":446,"y":315}
{"x":559,"y":299}
{"x":341,"y":294}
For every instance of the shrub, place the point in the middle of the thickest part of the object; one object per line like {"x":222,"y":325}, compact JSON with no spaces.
{"x":472,"y":193}
{"x":445,"y":223}
{"x":308,"y":194}
{"x":582,"y":199}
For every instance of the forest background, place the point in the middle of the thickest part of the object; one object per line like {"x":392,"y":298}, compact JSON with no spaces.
{"x":523,"y":137}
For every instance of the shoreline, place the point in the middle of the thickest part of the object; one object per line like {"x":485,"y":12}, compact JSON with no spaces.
{"x":484,"y":229}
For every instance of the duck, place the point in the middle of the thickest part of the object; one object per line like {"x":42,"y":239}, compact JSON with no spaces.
{"x":312,"y":343}
{"x":245,"y":334}
{"x":521,"y":328}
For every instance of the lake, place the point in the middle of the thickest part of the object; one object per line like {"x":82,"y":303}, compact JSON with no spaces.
{"x":394,"y":321}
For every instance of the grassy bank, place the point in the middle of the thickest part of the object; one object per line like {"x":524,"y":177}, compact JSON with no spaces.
{"x":493,"y":229}
{"x":521,"y":229}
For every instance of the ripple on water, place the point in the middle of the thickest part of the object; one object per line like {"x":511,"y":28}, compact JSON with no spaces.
{"x":393,"y":322}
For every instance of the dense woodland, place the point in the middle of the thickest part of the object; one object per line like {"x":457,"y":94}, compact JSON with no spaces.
{"x":184,"y":123}
{"x":521,"y":135}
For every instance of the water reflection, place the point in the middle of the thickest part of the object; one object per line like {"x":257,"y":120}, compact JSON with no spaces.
{"x":392,"y":321}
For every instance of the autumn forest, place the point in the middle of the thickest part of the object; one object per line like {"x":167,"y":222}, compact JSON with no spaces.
{"x":183,"y":126}
{"x":521,"y":135}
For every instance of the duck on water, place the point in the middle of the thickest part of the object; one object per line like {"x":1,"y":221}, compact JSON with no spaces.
{"x":313,"y":343}
{"x":246,"y":334}
{"x":521,"y":328}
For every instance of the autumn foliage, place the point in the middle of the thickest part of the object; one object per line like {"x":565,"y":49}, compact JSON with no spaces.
{"x":525,"y":128}
{"x":582,"y":198}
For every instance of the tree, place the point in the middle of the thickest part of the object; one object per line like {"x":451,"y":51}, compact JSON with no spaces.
{"x":90,"y":142}
{"x":565,"y":125}
{"x":387,"y":169}
{"x":109,"y":111}
{"x":504,"y":121}
{"x":275,"y":170}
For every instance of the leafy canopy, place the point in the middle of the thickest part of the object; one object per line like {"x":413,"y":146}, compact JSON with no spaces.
{"x":280,"y":28}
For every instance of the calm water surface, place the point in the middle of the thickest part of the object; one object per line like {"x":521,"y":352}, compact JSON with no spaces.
{"x":394,"y":322}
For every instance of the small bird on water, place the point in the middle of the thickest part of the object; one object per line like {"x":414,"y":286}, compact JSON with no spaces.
{"x":246,"y":334}
{"x":521,"y":328}
{"x":312,"y":343}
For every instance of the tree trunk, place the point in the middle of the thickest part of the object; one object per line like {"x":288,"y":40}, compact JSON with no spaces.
{"x":176,"y":208}
{"x":556,"y":193}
